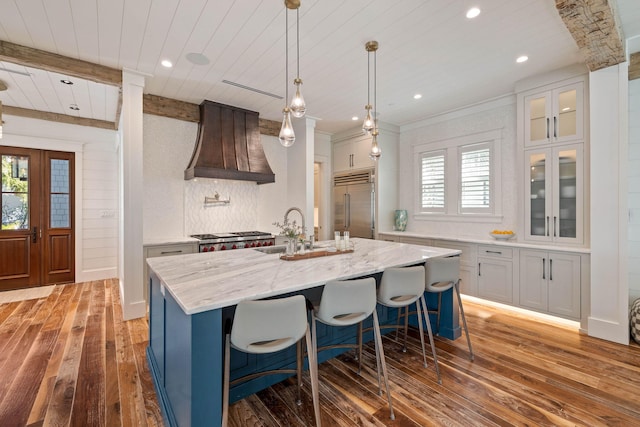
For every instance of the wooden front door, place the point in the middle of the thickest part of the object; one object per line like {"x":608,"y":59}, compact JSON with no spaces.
{"x":37,"y":229}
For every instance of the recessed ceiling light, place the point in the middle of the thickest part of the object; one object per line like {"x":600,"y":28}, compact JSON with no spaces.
{"x":66,"y":81}
{"x":197,"y":58}
{"x":354,"y":118}
{"x":74,"y":107}
{"x":521,"y":59}
{"x":473,"y":12}
{"x":166,"y":63}
{"x":417,"y":96}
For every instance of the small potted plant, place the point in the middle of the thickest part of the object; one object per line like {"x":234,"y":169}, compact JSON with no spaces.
{"x":293,"y":233}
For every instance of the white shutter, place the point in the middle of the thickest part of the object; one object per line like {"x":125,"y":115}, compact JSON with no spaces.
{"x":432,"y":181}
{"x":475,"y":178}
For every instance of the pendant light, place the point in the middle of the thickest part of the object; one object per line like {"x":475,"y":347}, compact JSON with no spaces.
{"x":375,"y":152}
{"x":368,"y":124}
{"x":0,"y":119}
{"x":287,"y":136}
{"x":298,"y":106}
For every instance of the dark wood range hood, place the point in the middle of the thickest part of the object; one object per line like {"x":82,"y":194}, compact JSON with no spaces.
{"x":228,"y":146}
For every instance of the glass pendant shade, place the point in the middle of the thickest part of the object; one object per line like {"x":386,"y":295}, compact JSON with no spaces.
{"x":375,"y":152}
{"x":287,"y":136}
{"x":298,"y":106}
{"x":368,"y":124}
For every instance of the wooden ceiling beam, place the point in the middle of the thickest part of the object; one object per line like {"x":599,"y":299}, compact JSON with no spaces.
{"x":187,"y":111}
{"x":634,"y":66}
{"x":593,"y":26}
{"x":60,"y":118}
{"x":36,"y":58}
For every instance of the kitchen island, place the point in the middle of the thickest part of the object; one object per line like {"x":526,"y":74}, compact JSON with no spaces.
{"x":193,"y":296}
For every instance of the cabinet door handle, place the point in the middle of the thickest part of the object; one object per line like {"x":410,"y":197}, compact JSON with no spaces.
{"x":547,"y":226}
{"x":555,"y":127}
{"x":170,"y":252}
{"x":494,"y":252}
{"x":550,"y":269}
{"x":479,"y":270}
{"x":554,"y":226}
{"x":547,"y":127}
{"x":543,"y":275}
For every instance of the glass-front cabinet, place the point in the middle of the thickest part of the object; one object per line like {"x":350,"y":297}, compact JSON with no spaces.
{"x":554,"y":116}
{"x":554,"y":194}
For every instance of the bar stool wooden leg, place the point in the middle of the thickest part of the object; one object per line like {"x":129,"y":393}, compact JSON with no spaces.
{"x":419,"y":314}
{"x":299,"y":356}
{"x":313,"y":372}
{"x":359,"y":353}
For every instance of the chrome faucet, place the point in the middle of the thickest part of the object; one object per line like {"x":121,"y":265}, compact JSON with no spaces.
{"x":304,"y":229}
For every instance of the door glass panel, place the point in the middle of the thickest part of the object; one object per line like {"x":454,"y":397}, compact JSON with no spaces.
{"x":567,"y":196}
{"x":567,"y":113}
{"x":537,"y":176}
{"x":538,"y":119}
{"x":60,"y":207}
{"x":15,"y":192}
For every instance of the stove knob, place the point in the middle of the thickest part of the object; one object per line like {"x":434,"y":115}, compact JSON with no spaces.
{"x":212,"y":248}
{"x":253,"y":244}
{"x":234,"y":247}
{"x":205,"y":249}
{"x":270,"y":243}
{"x":246,"y":245}
{"x":223,"y":247}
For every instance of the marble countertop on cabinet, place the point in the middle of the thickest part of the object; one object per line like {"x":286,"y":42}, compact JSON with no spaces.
{"x":512,"y":243}
{"x":168,"y":241}
{"x":206,"y":281}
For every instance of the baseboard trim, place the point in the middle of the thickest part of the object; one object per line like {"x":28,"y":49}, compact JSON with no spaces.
{"x":608,"y":330}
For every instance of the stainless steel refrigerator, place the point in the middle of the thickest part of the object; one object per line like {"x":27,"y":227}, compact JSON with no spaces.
{"x":353,"y":196}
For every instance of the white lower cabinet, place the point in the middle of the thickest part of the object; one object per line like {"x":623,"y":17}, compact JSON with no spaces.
{"x":550,"y":282}
{"x":167,"y":249}
{"x":495,"y":273}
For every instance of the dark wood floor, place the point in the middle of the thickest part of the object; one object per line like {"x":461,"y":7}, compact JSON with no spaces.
{"x":70,"y":359}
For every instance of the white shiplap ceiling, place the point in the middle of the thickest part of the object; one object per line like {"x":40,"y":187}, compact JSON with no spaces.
{"x":426,"y":47}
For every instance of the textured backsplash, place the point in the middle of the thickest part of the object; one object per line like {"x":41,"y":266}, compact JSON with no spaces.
{"x":238,"y":215}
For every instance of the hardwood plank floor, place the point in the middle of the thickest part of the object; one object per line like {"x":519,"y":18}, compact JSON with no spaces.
{"x":70,"y":360}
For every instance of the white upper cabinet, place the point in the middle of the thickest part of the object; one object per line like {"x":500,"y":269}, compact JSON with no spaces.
{"x":554,"y":194}
{"x":555,"y":115}
{"x":352,"y":154}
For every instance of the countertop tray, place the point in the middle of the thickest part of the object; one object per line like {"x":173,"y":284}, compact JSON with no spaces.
{"x":315,"y":254}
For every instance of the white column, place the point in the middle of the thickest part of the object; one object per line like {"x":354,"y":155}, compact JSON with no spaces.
{"x":300,"y":158}
{"x":608,"y":100}
{"x":130,"y":262}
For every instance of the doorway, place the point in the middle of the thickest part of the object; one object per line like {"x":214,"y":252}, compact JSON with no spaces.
{"x":37,"y":228}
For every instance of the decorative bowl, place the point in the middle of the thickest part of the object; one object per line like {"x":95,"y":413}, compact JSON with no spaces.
{"x":502,"y":236}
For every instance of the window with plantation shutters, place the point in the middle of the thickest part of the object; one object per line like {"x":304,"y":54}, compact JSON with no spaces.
{"x":459,"y":179}
{"x":433,"y":182}
{"x":475,"y":178}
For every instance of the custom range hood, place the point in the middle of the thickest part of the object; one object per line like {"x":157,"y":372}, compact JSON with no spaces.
{"x":228,"y":146}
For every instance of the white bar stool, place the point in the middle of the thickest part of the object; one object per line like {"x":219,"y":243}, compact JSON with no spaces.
{"x":399,"y":288}
{"x":443,"y":274}
{"x":268,"y":326}
{"x":346,"y":303}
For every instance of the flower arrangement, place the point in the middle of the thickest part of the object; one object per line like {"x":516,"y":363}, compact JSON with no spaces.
{"x":290,"y":230}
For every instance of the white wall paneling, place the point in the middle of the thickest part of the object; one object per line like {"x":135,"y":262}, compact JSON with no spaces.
{"x":634,"y":190}
{"x":608,"y":318}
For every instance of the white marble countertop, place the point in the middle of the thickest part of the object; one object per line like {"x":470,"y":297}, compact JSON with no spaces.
{"x":490,"y":241}
{"x":206,"y":281}
{"x":169,"y":241}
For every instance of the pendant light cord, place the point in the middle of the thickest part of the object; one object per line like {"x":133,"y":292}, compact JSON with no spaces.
{"x":286,"y":54}
{"x":375,"y":90}
{"x":368,"y":78}
{"x":298,"y":38}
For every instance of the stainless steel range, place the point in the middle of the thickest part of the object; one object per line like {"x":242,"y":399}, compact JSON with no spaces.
{"x":233,"y":240}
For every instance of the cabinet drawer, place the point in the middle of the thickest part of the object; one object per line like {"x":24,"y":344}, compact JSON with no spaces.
{"x":495,"y":251}
{"x":415,"y":241}
{"x":468,"y":255}
{"x":167,"y":250}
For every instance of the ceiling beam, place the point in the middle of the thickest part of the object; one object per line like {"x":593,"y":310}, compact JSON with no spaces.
{"x":593,"y":26}
{"x":60,"y":118}
{"x":172,"y":108}
{"x":634,"y":66}
{"x":36,"y":58}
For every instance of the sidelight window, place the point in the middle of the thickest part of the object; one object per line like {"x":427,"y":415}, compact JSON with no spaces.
{"x":15,"y":192}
